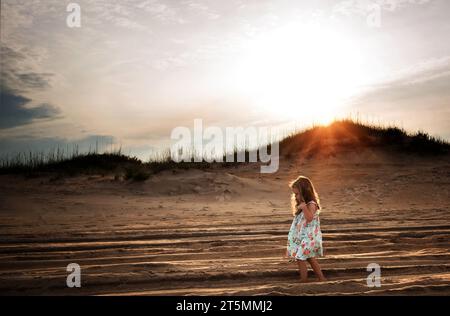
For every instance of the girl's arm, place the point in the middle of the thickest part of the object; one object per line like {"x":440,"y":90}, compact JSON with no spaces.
{"x":308,"y":210}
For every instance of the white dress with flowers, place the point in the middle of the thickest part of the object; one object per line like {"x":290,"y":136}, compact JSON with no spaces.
{"x":304,"y":239}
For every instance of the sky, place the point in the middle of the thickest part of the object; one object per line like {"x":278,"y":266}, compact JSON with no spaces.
{"x":136,"y":69}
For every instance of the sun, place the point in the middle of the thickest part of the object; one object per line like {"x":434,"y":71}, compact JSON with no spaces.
{"x":299,"y":71}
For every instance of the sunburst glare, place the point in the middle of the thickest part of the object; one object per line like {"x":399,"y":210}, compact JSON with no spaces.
{"x":302,"y":71}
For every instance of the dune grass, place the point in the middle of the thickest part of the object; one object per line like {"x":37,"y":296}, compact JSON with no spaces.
{"x":352,"y":135}
{"x":340,"y":135}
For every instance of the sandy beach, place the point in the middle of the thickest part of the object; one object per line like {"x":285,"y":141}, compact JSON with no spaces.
{"x":223,"y":231}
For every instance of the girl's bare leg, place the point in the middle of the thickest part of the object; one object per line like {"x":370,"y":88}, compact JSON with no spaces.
{"x":303,"y":270}
{"x":316,"y":267}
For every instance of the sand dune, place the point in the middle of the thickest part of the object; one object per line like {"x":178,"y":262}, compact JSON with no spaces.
{"x":223,"y":232}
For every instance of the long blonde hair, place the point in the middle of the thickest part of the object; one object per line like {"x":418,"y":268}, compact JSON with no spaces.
{"x":307,"y":193}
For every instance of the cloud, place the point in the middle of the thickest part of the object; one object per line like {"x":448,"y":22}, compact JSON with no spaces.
{"x":14,"y":113}
{"x":34,"y":80}
{"x":202,"y":9}
{"x":129,"y":14}
{"x":18,"y":75}
{"x":15,"y":80}
{"x":139,"y":15}
{"x":418,"y":98}
{"x":160,"y":10}
{"x":361,"y":7}
{"x":427,"y":79}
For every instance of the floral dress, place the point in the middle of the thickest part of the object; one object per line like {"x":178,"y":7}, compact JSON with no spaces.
{"x":304,"y":239}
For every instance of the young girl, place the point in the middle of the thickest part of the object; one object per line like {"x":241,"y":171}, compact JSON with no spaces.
{"x":305,"y":238}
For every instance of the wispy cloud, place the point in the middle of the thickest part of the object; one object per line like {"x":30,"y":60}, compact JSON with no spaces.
{"x":160,"y":11}
{"x":431,"y":77}
{"x":16,"y":79}
{"x":417,"y":98}
{"x":360,"y":7}
{"x":202,"y":9}
{"x":17,"y":74}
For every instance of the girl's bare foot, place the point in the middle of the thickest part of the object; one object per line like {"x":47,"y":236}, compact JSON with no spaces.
{"x":303,"y":280}
{"x":323,"y":279}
